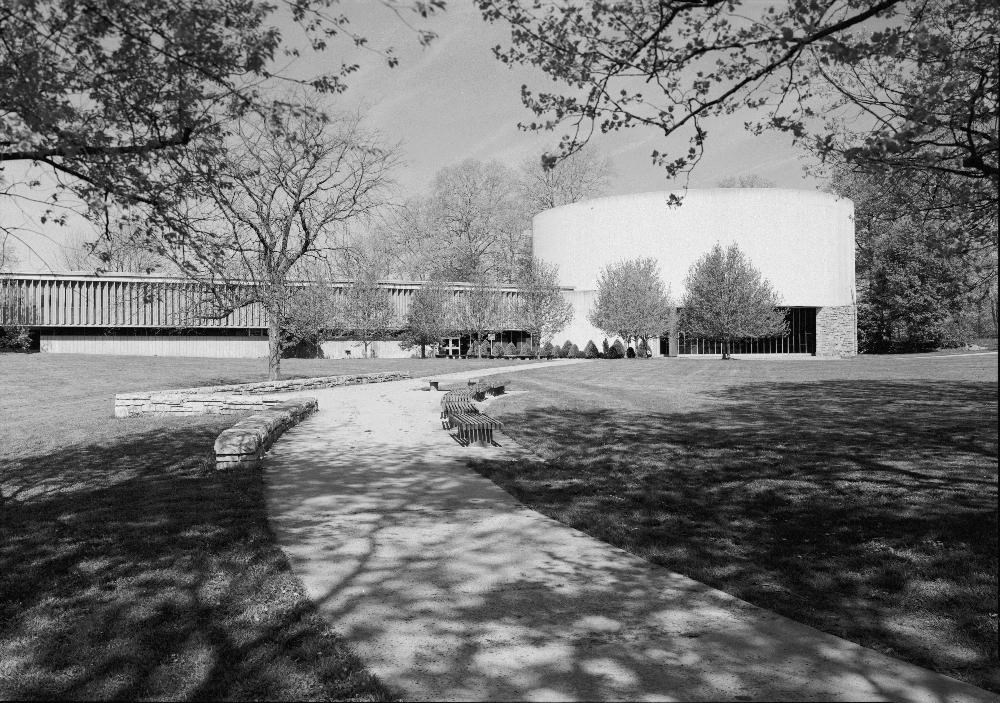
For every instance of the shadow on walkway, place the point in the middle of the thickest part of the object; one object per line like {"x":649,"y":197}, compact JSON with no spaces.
{"x":132,"y":569}
{"x":866,"y":509}
{"x":449,"y":589}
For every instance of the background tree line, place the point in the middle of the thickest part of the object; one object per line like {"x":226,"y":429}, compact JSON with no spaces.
{"x":897,"y":92}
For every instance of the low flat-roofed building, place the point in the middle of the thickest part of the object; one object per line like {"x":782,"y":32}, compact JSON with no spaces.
{"x":801,"y":241}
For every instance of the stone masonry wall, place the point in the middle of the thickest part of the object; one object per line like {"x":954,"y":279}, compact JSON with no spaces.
{"x":243,"y":445}
{"x":836,"y":331}
{"x":235,"y":398}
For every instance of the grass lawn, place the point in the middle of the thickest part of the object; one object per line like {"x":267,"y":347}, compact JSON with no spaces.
{"x":129,"y":567}
{"x":859,"y":497}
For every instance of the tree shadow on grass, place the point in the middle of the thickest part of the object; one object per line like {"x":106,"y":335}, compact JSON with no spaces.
{"x":451,"y":590}
{"x":866,"y":509}
{"x":130,"y":568}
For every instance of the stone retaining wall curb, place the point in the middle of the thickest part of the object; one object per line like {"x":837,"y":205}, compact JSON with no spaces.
{"x":243,"y":445}
{"x":234,"y":398}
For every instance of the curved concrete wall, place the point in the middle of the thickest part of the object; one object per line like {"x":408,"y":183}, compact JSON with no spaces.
{"x":801,"y":241}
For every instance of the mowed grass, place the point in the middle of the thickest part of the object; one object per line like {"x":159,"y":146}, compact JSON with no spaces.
{"x":858,"y":496}
{"x":129,"y":567}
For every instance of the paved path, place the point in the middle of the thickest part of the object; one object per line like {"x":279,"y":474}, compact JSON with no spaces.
{"x":450,"y":589}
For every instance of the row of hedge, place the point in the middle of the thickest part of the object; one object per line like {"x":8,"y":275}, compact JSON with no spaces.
{"x":567,"y":350}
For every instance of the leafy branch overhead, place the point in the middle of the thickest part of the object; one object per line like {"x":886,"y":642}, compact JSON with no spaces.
{"x":904,"y":83}
{"x":111,"y":96}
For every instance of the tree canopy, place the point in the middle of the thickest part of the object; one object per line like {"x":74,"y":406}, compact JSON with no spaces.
{"x":265,"y":211}
{"x":907,"y":84}
{"x":926,"y":274}
{"x":429,"y":317}
{"x":365,"y":311}
{"x":632,"y":301}
{"x":747,"y":180}
{"x":584,"y":174}
{"x":112,"y":96}
{"x":542,"y":310}
{"x":472,"y":224}
{"x":727,"y":299}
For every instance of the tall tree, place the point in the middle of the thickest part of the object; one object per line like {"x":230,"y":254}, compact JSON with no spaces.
{"x":541,"y":308}
{"x":366,"y":311}
{"x":111,"y":96}
{"x":632,"y":301}
{"x":480,"y":310}
{"x":922,"y":270}
{"x":272,"y":206}
{"x":581,"y":175}
{"x":904,"y":83}
{"x":8,"y":255}
{"x":117,"y":253}
{"x":472,"y":224}
{"x":726,"y":299}
{"x":429,"y":317}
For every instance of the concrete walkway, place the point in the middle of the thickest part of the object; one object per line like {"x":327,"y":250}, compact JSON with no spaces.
{"x":449,"y":589}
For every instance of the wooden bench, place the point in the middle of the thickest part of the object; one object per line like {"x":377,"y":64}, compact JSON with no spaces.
{"x":468,"y":394}
{"x":474,"y":427}
{"x":455,"y":407}
{"x":459,"y":413}
{"x":492,"y":388}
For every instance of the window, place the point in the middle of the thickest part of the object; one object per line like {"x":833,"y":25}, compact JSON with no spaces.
{"x":801,"y":339}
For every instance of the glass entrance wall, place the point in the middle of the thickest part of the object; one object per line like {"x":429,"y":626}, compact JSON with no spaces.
{"x":801,"y":338}
{"x":466,"y":344}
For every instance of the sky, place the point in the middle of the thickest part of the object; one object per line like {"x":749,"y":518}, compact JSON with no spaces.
{"x":453,"y":100}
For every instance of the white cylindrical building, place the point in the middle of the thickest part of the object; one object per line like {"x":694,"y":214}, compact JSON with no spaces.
{"x":801,"y":241}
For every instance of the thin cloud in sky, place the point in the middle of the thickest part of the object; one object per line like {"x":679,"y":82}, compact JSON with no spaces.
{"x":453,"y":100}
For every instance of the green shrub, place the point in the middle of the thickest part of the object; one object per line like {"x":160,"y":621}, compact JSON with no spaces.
{"x":590,"y":351}
{"x":575,"y":353}
{"x":641,"y":350}
{"x":567,"y":347}
{"x":605,"y":348}
{"x":547,"y":350}
{"x":617,"y":350}
{"x":509,"y":349}
{"x":15,"y":338}
{"x":525,"y":349}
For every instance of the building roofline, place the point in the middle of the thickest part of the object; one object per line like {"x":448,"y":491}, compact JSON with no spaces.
{"x":82,"y":276}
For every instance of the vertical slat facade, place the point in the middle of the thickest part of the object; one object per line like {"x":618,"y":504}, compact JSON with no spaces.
{"x":107,"y":302}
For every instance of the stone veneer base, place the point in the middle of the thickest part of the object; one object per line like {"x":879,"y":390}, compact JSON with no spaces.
{"x":837,"y":331}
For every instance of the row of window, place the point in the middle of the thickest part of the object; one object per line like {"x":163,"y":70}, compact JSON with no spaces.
{"x":801,"y":339}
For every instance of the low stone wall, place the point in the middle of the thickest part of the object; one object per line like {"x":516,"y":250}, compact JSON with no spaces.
{"x":234,"y":398}
{"x":243,"y":445}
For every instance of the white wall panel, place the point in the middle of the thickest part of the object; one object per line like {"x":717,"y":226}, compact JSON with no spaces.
{"x":156,"y":345}
{"x":802,"y":241}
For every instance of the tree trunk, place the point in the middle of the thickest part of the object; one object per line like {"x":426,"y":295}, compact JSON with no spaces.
{"x":423,"y":350}
{"x":273,"y":348}
{"x":725,"y":348}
